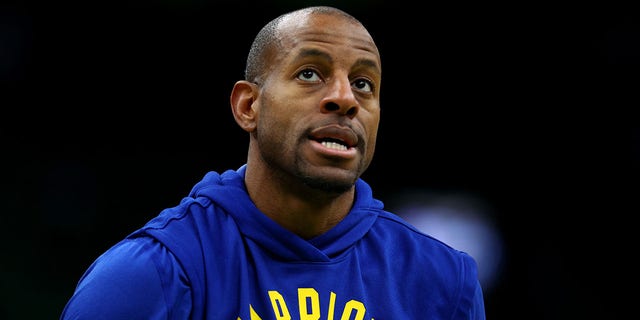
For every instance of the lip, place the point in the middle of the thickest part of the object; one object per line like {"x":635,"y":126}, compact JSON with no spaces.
{"x":333,"y":153}
{"x":336,"y":133}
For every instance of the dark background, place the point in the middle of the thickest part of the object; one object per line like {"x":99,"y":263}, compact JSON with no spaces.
{"x":112,"y":110}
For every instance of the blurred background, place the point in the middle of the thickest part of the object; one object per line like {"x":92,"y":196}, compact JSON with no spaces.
{"x":507,"y":130}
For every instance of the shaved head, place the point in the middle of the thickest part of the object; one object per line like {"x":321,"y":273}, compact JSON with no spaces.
{"x":267,"y":41}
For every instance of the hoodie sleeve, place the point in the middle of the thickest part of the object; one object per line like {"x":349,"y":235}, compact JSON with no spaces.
{"x":136,"y":279}
{"x":477,"y":311}
{"x":473,"y":297}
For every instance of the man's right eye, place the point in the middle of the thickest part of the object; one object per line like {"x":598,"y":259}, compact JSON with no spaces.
{"x":309,"y":75}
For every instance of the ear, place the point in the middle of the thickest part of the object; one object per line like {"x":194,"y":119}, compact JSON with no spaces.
{"x":243,"y":97}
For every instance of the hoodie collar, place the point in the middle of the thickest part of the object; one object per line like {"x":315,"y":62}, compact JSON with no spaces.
{"x":228,"y":191}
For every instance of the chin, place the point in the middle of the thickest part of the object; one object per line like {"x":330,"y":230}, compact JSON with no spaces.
{"x":329,"y":184}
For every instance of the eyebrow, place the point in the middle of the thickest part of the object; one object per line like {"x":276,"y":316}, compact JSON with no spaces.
{"x":368,"y":63}
{"x":314,"y":53}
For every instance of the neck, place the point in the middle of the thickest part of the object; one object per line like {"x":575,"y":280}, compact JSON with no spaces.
{"x":304,"y":211}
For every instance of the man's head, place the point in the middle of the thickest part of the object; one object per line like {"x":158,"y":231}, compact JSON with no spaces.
{"x":267,"y":40}
{"x":311,"y":99}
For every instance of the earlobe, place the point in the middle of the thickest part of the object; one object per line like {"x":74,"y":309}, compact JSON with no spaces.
{"x":243,"y":98}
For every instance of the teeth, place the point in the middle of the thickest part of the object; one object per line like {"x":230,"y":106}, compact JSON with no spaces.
{"x":334,"y":145}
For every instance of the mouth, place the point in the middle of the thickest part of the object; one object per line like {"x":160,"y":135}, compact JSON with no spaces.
{"x":333,"y":144}
{"x":335,"y":137}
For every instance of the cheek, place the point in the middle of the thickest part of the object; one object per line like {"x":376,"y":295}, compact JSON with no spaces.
{"x":371,"y":124}
{"x":276,"y":122}
{"x":284,"y":116}
{"x":372,"y":134}
{"x":371,"y":145}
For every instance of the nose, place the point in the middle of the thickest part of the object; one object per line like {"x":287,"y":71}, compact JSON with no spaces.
{"x":340,"y":98}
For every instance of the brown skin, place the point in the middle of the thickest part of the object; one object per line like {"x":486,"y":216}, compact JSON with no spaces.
{"x":332,"y":92}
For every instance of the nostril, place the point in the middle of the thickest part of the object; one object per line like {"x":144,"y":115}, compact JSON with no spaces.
{"x":332,"y":106}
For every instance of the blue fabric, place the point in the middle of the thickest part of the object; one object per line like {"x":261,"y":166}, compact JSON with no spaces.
{"x":216,"y":256}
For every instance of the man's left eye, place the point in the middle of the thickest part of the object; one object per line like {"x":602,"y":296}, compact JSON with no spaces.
{"x":362,"y":85}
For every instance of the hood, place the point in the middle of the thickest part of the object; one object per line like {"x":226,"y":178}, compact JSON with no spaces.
{"x":227,"y":190}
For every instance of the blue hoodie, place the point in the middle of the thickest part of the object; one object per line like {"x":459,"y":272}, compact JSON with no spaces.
{"x":216,"y":256}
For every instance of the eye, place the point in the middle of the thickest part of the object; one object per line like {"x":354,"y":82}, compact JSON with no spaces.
{"x":308,"y":75}
{"x":362,"y":85}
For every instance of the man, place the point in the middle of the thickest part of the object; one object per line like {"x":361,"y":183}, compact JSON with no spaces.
{"x":295,"y":232}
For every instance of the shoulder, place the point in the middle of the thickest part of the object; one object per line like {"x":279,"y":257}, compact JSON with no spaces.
{"x":445,"y":270}
{"x":422,"y":246}
{"x":136,"y":258}
{"x":135,"y":279}
{"x":437,"y":270}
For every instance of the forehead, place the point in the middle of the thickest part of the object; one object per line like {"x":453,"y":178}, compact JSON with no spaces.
{"x":324,"y":29}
